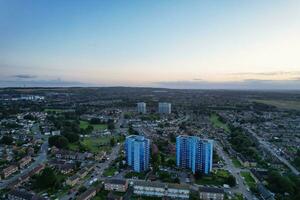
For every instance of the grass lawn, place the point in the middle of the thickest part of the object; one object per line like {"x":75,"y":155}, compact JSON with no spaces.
{"x":137,"y":197}
{"x":98,"y":144}
{"x":249,"y":179}
{"x":236,"y":163}
{"x":54,"y":110}
{"x":101,"y":195}
{"x":94,"y":144}
{"x":109,"y":171}
{"x":217,"y":123}
{"x":73,"y":147}
{"x":217,"y":178}
{"x":238,"y":196}
{"x":284,"y":104}
{"x":97,"y":127}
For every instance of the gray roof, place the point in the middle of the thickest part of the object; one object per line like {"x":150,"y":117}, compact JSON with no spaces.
{"x":161,"y":185}
{"x":265,"y":193}
{"x":116,"y":181}
{"x":25,"y":195}
{"x":211,"y":189}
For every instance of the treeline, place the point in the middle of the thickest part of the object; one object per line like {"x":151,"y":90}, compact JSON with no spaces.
{"x":284,"y":186}
{"x":242,"y":143}
{"x":68,"y":124}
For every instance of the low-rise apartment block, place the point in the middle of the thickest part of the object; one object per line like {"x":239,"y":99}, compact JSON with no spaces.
{"x":87,"y":195}
{"x":119,"y":185}
{"x":22,"y":195}
{"x":211,"y":193}
{"x":157,"y":189}
{"x":73,"y":180}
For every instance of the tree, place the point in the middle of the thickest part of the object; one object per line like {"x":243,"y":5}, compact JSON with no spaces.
{"x":95,"y":121}
{"x":172,"y":137}
{"x":7,"y":140}
{"x":47,"y":179}
{"x":82,"y":189}
{"x":131,"y":131}
{"x":156,"y":161}
{"x":112,"y":142}
{"x":198,"y":175}
{"x":177,"y":180}
{"x":29,"y":117}
{"x":231,"y":181}
{"x":280,"y":184}
{"x":58,"y":141}
{"x":72,"y":137}
{"x":111,"y":124}
{"x":89,"y":129}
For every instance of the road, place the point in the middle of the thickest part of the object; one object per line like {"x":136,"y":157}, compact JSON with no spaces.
{"x":100,"y":167}
{"x":241,"y":187}
{"x":97,"y":173}
{"x":267,"y":146}
{"x":41,"y":158}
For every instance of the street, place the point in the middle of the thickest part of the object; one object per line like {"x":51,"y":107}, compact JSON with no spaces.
{"x":240,"y":187}
{"x":97,"y":172}
{"x":41,"y":158}
{"x":271,"y":150}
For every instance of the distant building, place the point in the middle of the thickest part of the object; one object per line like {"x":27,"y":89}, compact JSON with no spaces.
{"x":194,"y":153}
{"x":158,"y":189}
{"x":141,"y":107}
{"x":137,"y":150}
{"x":211,"y":193}
{"x":164,"y":108}
{"x":119,"y":185}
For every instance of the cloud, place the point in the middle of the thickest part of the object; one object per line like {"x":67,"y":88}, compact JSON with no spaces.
{"x":24,"y":76}
{"x":275,"y":73}
{"x":42,"y":83}
{"x":249,"y":84}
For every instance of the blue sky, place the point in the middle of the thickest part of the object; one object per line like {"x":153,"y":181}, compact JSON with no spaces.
{"x":150,"y":43}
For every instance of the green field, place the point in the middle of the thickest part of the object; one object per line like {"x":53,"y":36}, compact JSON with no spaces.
{"x":249,"y":179}
{"x":109,"y":171}
{"x":236,"y":162}
{"x":217,"y":123}
{"x":281,"y":104}
{"x":54,"y":110}
{"x":217,"y":178}
{"x":93,"y":145}
{"x":98,"y":144}
{"x":97,"y":127}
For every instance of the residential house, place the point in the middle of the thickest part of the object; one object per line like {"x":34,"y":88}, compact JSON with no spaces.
{"x":6,"y":172}
{"x":22,"y":195}
{"x":24,"y":161}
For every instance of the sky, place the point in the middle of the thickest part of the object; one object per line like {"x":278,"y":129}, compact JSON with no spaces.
{"x":232,"y":44}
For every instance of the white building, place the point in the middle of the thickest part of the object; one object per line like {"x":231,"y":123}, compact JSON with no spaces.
{"x":141,"y":107}
{"x":164,"y":108}
{"x":157,"y":189}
